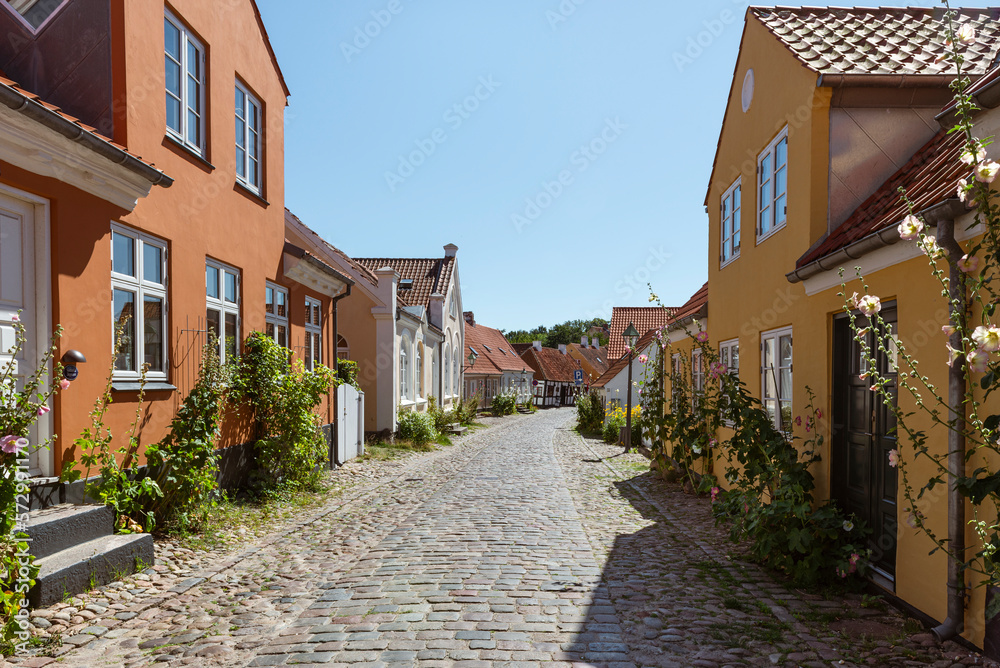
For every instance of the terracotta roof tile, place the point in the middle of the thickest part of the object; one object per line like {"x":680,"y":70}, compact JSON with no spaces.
{"x":491,"y":345}
{"x":644,"y":318}
{"x":429,"y":276}
{"x":550,"y":364}
{"x":692,"y":306}
{"x":622,"y":361}
{"x":878,"y":40}
{"x":929,"y":177}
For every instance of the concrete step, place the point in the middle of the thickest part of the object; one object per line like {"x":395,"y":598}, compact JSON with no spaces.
{"x":455,"y":429}
{"x":90,"y":564}
{"x":65,"y":525}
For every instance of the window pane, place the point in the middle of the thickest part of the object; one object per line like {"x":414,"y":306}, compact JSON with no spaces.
{"x":240,"y":108}
{"x":786,"y":350}
{"x":309,"y":359}
{"x":282,"y":337}
{"x":315,"y":320}
{"x":152,"y":263}
{"x":122,"y":254}
{"x":779,"y":210}
{"x":735,"y":358}
{"x":193,"y":129}
{"x":241,"y":162}
{"x":230,"y":287}
{"x":172,"y":39}
{"x":152,"y":327}
{"x":269,"y":300}
{"x":232,"y":337}
{"x":213,"y":324}
{"x":786,"y":384}
{"x":282,"y":307}
{"x":124,"y":308}
{"x":269,"y":330}
{"x":317,"y":348}
{"x":173,"y":113}
{"x":781,"y":153}
{"x":212,"y":281}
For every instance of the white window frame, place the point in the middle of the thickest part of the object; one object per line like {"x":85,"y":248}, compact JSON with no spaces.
{"x":314,"y":334}
{"x":776,"y":335}
{"x":418,"y":371}
{"x":225,"y":307}
{"x":404,"y":368}
{"x":770,"y":177}
{"x":275,"y":319}
{"x":731,"y":242}
{"x":141,"y":288}
{"x":187,"y":39}
{"x":251,"y":104}
{"x":726,"y":350}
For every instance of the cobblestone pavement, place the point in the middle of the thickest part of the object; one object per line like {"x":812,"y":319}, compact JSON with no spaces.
{"x":521,"y":545}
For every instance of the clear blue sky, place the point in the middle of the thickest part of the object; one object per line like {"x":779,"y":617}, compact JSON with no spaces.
{"x":456,"y":116}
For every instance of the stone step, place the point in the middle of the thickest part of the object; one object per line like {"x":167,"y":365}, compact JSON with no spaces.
{"x":91,"y":564}
{"x":455,"y":429}
{"x":65,"y":525}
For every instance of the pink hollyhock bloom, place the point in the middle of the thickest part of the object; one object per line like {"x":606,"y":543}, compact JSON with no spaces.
{"x":808,"y":427}
{"x":863,"y":376}
{"x":948,"y":330}
{"x":978,"y":361}
{"x":952,"y":354}
{"x":15,"y":318}
{"x":841,"y":572}
{"x":798,"y":420}
{"x":929,"y":247}
{"x":862,"y":332}
{"x":987,"y":338}
{"x":910,"y":228}
{"x":42,"y":410}
{"x":894,"y":458}
{"x":701,"y":337}
{"x":963,"y":190}
{"x":643,"y":359}
{"x":968,"y":264}
{"x":870,"y":305}
{"x":873,"y":388}
{"x":853,"y":301}
{"x":819,"y":414}
{"x":986,"y":171}
{"x":63,"y":384}
{"x":971,"y":157}
{"x":12,"y":444}
{"x":715,"y":494}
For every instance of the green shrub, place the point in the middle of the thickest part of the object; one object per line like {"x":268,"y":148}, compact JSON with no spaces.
{"x":465,"y":412}
{"x":612,"y":428}
{"x":504,"y":403}
{"x":347,"y":372}
{"x":416,"y":427}
{"x":441,"y":417}
{"x":589,"y":412}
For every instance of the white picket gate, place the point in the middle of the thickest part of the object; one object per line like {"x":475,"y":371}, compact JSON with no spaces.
{"x":351,"y":423}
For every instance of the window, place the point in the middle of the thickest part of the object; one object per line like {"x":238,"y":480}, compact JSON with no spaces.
{"x":314,"y":333}
{"x":276,"y":314}
{"x":36,"y":13}
{"x":729,"y":356}
{"x":139,"y":298}
{"x":447,"y":371}
{"x":184,"y":63}
{"x":676,"y":379}
{"x":772,"y":178}
{"x":247,"y":139}
{"x":453,"y":309}
{"x":343,"y":348}
{"x":222,"y":297}
{"x":435,"y":381}
{"x":697,"y":377}
{"x":404,"y":368}
{"x":776,"y":376}
{"x":418,"y":383}
{"x":456,"y":369}
{"x":731,"y":224}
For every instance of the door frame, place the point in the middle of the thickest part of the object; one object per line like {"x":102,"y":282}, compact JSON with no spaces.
{"x":42,"y":324}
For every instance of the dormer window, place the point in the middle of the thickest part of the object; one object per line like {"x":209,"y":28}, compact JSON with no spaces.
{"x":35,"y":13}
{"x":406,"y":284}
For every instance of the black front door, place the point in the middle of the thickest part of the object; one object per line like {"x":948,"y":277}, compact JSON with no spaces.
{"x":864,"y":431}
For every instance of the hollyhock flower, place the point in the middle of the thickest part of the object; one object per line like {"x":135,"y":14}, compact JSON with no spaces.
{"x":911,"y":520}
{"x":653,"y":297}
{"x":952,"y":354}
{"x":966,"y":34}
{"x":712,"y":442}
{"x":643,"y":359}
{"x":696,"y":449}
{"x":841,"y":572}
{"x":929,"y":246}
{"x":894,"y":458}
{"x":962,"y":190}
{"x":987,"y":338}
{"x":42,"y":410}
{"x":986,"y":171}
{"x":910,"y":228}
{"x":873,"y":388}
{"x":798,"y":420}
{"x":948,"y":330}
{"x":870,"y":305}
{"x":63,"y":384}
{"x":863,"y":376}
{"x":853,"y":301}
{"x":968,"y":264}
{"x":977,"y":361}
{"x":701,"y":337}
{"x":819,"y":414}
{"x":970,"y":157}
{"x":715,"y":494}
{"x":848,"y":525}
{"x":808,"y":427}
{"x":12,"y":444}
{"x":862,"y":332}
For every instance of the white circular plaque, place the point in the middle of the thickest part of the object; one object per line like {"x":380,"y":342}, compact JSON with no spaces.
{"x":747,"y":95}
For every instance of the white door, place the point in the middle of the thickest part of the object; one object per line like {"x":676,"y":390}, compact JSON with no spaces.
{"x":17,"y":293}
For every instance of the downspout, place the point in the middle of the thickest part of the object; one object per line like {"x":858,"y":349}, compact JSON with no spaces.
{"x":944,"y":216}
{"x":334,"y":454}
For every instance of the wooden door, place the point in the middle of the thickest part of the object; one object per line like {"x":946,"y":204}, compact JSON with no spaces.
{"x":863,"y":433}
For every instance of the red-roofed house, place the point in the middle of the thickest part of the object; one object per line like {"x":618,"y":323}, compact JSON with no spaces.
{"x":644,"y":318}
{"x":825,"y":119}
{"x":554,"y":375}
{"x":491,"y":365}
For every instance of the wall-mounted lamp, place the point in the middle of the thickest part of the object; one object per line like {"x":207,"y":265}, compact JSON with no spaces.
{"x":472,"y":359}
{"x":70,"y":359}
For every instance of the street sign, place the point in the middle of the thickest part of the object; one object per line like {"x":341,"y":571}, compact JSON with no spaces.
{"x":534,"y":383}
{"x":578,"y":376}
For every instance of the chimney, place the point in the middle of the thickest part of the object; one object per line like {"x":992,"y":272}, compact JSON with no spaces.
{"x":470,"y":318}
{"x":562,"y":348}
{"x":583,"y":341}
{"x":450,"y":250}
{"x":537,"y":345}
{"x":595,"y":342}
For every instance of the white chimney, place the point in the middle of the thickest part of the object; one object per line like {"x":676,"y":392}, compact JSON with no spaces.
{"x":450,"y":250}
{"x":537,"y":345}
{"x":595,"y":343}
{"x":562,"y":348}
{"x":583,"y":341}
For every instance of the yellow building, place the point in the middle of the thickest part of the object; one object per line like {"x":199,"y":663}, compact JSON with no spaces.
{"x":825,"y":118}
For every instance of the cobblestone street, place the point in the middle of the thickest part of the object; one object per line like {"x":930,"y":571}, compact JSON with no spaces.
{"x":523,"y":544}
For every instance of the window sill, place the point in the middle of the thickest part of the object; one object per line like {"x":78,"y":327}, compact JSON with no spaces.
{"x":134,"y":386}
{"x":771,"y":233}
{"x":406,"y":403}
{"x":188,"y":152}
{"x":729,"y":261}
{"x":250,"y":193}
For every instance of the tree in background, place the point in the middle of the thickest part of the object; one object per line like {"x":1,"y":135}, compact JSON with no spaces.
{"x":570,"y":331}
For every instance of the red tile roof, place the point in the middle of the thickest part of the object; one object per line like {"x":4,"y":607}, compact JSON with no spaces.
{"x":550,"y":364}
{"x":644,"y":318}
{"x":519,"y":348}
{"x":929,"y":177}
{"x":491,"y":346}
{"x":878,"y":40}
{"x":429,"y":276}
{"x":151,"y":172}
{"x":622,"y":361}
{"x":692,"y":306}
